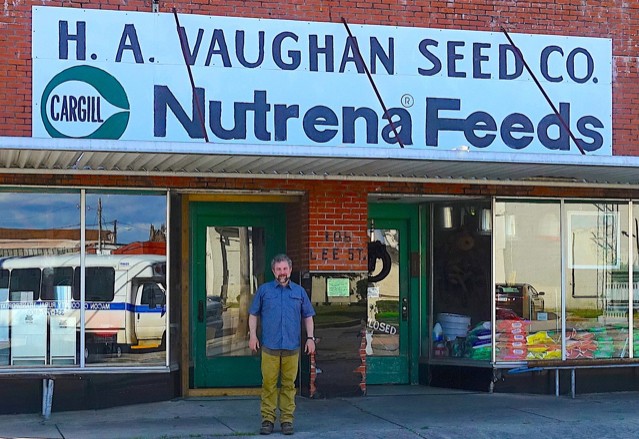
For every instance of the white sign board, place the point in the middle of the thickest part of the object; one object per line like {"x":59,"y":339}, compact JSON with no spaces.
{"x":277,"y":83}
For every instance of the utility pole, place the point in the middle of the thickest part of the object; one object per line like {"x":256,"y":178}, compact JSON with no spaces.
{"x":99,"y":226}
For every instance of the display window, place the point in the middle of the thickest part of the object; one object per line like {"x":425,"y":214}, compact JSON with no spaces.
{"x":558,"y":274}
{"x":61,"y":306}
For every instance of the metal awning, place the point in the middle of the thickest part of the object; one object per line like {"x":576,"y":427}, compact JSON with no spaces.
{"x":31,"y":155}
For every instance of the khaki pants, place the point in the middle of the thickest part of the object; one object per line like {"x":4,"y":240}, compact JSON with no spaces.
{"x":284,"y":368}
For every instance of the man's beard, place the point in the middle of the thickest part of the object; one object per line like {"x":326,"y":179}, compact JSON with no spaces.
{"x":283,"y":279}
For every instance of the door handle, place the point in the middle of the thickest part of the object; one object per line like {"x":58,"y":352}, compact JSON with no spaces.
{"x":200,"y":311}
{"x":404,"y":309}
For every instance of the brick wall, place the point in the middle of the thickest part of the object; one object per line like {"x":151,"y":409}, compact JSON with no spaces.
{"x":616,"y":19}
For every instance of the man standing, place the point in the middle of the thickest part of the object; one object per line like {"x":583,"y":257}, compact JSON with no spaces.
{"x":281,"y":305}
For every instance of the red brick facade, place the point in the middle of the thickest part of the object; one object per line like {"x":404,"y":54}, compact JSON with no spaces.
{"x":327,"y":229}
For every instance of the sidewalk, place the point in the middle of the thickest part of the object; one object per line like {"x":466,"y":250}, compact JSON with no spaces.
{"x":387,"y":412}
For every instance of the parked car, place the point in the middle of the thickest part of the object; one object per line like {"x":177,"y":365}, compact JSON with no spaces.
{"x":521,"y":299}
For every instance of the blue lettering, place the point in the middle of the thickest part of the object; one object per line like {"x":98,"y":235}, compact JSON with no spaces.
{"x":478,"y":58}
{"x":293,"y":55}
{"x":453,"y":57}
{"x":545,"y":54}
{"x":190,"y":56}
{"x":437,"y":65}
{"x":403,"y":124}
{"x":516,"y":123}
{"x":597,"y":138}
{"x":349,"y":55}
{"x":570,"y":65}
{"x":350,"y":116}
{"x":315,"y":51}
{"x":218,"y":39}
{"x":239,"y":50}
{"x":479,"y":121}
{"x":320,"y":116}
{"x":129,"y":34}
{"x":387,"y":59}
{"x":164,"y":99}
{"x":80,"y":39}
{"x":562,"y":142}
{"x":504,"y":51}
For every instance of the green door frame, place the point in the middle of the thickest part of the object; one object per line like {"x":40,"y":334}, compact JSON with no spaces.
{"x":227,"y":371}
{"x":403,"y":368}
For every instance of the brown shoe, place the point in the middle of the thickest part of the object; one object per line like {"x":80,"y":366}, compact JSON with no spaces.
{"x":287,"y":428}
{"x":266,"y":428}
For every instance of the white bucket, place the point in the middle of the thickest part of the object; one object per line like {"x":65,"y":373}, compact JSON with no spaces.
{"x":454,"y":325}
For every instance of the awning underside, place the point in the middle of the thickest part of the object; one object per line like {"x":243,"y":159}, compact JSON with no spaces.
{"x":102,"y":156}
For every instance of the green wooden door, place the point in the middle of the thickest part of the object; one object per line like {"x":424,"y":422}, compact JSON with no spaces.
{"x":232,"y":246}
{"x":393,"y":308}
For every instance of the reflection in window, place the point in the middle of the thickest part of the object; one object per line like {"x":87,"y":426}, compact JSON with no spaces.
{"x":528,"y":281}
{"x":596,"y":280}
{"x":461,"y":243}
{"x":383,"y":330}
{"x":130,"y":237}
{"x":40,"y":278}
{"x":235,"y":267}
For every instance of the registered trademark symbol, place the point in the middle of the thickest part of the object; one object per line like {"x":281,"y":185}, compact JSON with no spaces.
{"x":407,"y":101}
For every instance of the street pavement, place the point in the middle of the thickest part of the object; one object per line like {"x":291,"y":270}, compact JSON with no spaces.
{"x":386,"y":412}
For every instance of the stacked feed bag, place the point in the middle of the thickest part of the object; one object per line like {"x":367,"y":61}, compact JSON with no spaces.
{"x":510,"y":343}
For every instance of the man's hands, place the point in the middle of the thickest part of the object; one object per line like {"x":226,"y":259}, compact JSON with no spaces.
{"x":309,"y":348}
{"x":254,"y":343}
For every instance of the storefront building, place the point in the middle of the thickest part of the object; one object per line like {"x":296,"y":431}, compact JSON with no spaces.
{"x":456,"y":183}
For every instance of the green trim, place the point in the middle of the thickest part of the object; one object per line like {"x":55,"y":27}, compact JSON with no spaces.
{"x":402,"y":369}
{"x":238,"y":371}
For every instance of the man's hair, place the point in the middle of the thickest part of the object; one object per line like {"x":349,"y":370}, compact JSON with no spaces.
{"x":281,"y":258}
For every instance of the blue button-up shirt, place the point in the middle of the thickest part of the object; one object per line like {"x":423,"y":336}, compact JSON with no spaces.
{"x":281,"y":310}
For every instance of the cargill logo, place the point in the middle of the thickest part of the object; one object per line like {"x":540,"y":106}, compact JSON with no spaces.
{"x":85,"y":102}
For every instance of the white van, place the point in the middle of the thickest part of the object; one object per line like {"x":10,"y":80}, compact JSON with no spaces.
{"x":125,"y":296}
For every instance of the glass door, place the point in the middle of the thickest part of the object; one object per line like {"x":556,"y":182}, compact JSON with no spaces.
{"x":233,"y":244}
{"x":391,"y":309}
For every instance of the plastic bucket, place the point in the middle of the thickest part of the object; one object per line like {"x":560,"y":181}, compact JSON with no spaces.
{"x":454,"y":325}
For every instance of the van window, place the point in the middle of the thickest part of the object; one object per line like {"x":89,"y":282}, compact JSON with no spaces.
{"x":24,"y":285}
{"x":99,"y":284}
{"x":152,"y":295}
{"x":4,"y":278}
{"x":53,"y":278}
